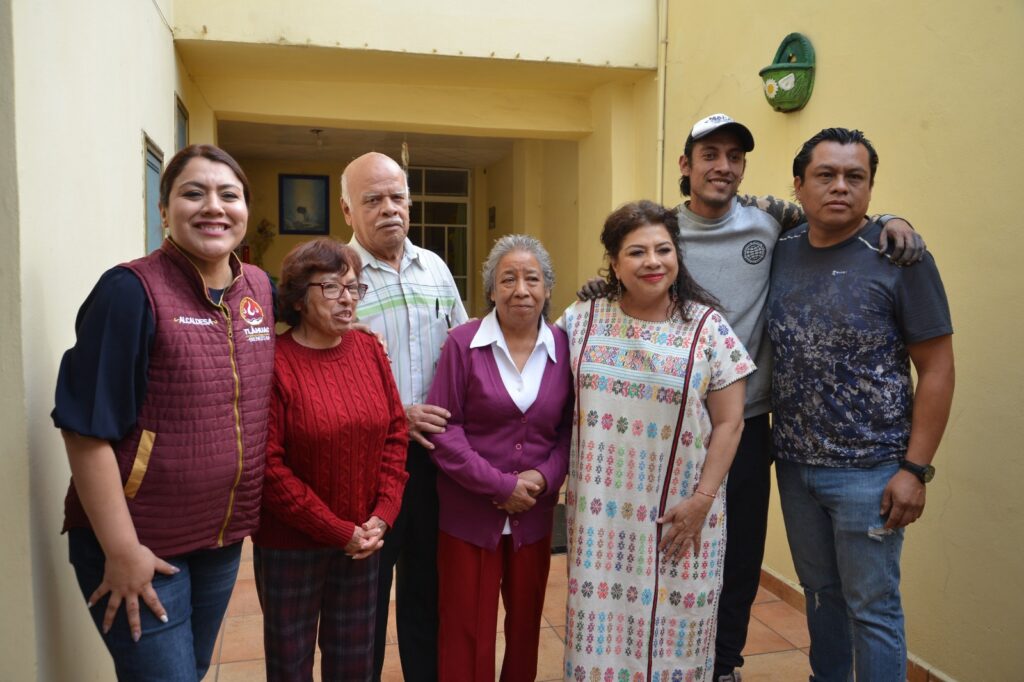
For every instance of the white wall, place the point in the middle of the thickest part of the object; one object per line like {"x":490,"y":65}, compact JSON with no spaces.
{"x":89,"y":78}
{"x":17,"y":635}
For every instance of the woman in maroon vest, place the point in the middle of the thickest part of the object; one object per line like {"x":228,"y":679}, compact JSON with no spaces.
{"x":335,"y":473}
{"x":163,"y":405}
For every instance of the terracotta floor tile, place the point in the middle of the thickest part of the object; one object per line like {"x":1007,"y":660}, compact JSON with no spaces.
{"x":557,"y":591}
{"x":916,"y":673}
{"x":392,"y":670}
{"x":784,"y":666}
{"x":217,"y":647}
{"x":244,"y":600}
{"x":243,"y":639}
{"x":785,"y":620}
{"x":499,"y":653}
{"x":317,"y":677}
{"x":392,"y":636}
{"x":242,"y":671}
{"x":764,"y":596}
{"x":501,"y":616}
{"x":245,"y":570}
{"x":772,"y":654}
{"x":549,"y":658}
{"x":549,"y":655}
{"x":557,"y":572}
{"x":761,"y":639}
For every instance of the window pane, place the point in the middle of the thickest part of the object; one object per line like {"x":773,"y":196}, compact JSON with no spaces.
{"x":438,"y":213}
{"x":457,"y":250}
{"x":416,"y":235}
{"x":416,"y":181}
{"x":433,"y":239}
{"x":154,"y":226}
{"x":416,"y":212}
{"x":447,"y":182}
{"x":460,"y":282}
{"x":180,"y":126}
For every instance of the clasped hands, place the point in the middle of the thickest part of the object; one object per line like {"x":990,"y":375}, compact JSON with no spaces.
{"x":367,"y":538}
{"x":529,"y":486}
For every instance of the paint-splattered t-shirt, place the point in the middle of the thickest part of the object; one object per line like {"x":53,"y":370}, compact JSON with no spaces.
{"x":840,"y":319}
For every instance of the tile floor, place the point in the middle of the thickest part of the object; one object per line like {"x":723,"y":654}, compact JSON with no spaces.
{"x":776,"y":644}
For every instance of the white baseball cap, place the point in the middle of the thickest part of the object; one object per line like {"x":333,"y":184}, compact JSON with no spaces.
{"x":715,"y":122}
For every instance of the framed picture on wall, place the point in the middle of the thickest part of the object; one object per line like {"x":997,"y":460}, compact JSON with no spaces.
{"x":303,"y":204}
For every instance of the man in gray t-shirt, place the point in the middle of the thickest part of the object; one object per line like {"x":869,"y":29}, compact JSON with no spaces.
{"x":727,"y":243}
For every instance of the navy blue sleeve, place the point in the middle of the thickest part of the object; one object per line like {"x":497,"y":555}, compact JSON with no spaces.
{"x":922,"y":310}
{"x":273,"y":295}
{"x":102,"y":379}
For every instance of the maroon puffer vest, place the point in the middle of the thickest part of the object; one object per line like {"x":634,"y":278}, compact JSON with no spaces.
{"x":192,"y":467}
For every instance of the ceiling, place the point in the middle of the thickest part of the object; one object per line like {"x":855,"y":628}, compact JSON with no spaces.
{"x":214,"y":59}
{"x":254,"y":62}
{"x":290,"y":142}
{"x":245,"y":140}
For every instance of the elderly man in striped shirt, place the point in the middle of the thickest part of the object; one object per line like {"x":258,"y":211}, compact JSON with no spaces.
{"x":413,"y":302}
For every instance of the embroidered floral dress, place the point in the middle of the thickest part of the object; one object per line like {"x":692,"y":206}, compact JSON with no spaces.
{"x":640,"y":440}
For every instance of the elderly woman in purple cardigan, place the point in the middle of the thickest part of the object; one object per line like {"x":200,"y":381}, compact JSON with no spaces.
{"x":502,"y":459}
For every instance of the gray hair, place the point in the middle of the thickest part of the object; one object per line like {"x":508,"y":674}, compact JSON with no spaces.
{"x":505,"y":246}
{"x":344,"y":191}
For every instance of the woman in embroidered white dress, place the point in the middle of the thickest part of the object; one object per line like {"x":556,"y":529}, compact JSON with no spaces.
{"x":657,"y":371}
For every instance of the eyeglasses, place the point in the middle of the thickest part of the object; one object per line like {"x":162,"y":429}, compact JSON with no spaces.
{"x":332,"y":290}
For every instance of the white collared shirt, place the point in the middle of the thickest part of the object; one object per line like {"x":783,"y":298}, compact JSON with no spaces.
{"x":413,"y":308}
{"x":524,"y":386}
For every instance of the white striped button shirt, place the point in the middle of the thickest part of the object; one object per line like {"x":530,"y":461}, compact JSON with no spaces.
{"x":413,"y":308}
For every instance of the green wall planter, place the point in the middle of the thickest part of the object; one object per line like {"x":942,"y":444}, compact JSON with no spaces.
{"x":789,"y":79}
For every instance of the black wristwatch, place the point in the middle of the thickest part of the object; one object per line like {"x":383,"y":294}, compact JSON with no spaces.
{"x":924,"y":473}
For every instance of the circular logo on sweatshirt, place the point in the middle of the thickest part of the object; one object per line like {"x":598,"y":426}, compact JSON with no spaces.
{"x":251,"y":311}
{"x":754,"y":251}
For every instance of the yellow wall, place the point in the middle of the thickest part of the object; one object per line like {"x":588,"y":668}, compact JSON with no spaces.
{"x":615,"y":163}
{"x":560,"y":227}
{"x":499,"y":192}
{"x":202,"y":124}
{"x":601,"y":32}
{"x":534,"y":192}
{"x":262,"y":174}
{"x":936,"y":87}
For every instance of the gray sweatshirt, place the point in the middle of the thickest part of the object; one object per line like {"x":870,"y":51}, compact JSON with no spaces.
{"x":731,"y":257}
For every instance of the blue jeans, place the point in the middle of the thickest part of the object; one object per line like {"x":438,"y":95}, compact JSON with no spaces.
{"x":195,"y":600}
{"x":849,"y":567}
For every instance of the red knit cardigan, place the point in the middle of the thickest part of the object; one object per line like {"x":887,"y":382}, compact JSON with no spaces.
{"x":337,"y":444}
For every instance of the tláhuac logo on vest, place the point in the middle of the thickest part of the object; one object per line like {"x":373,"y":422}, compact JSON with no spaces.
{"x":252,"y":313}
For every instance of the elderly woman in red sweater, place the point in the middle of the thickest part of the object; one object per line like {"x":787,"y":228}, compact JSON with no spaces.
{"x":502,"y":458}
{"x":335,"y":473}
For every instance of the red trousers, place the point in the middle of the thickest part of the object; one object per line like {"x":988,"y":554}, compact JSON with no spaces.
{"x":469,"y":580}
